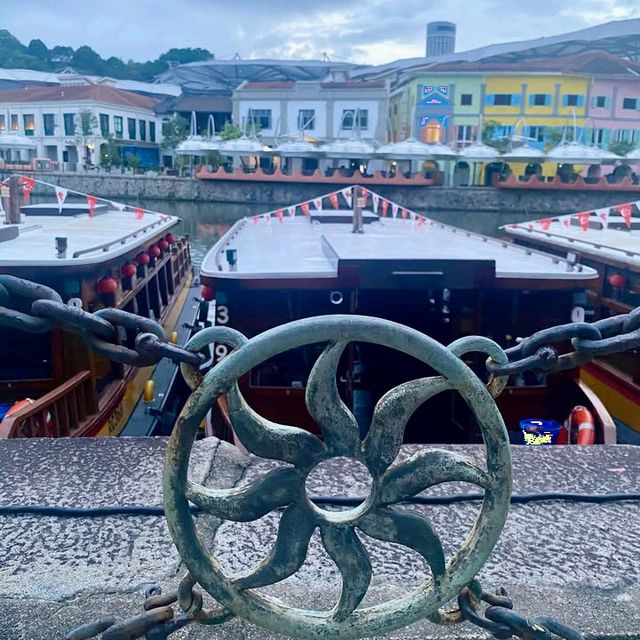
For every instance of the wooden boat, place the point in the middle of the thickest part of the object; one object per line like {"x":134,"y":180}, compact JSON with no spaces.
{"x":107,"y":259}
{"x":608,"y":241}
{"x":386,"y":261}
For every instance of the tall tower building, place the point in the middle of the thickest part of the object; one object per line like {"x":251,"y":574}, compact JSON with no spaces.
{"x":441,"y":38}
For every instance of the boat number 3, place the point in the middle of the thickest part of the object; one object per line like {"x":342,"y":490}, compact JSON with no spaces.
{"x":222,"y":314}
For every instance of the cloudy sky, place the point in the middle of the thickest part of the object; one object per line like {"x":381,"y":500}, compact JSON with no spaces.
{"x":365,"y":31}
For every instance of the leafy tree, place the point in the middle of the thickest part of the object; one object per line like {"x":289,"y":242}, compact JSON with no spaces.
{"x":86,"y":60}
{"x":132,"y":160}
{"x":553,"y":136}
{"x":230,"y":131}
{"x":174,"y":131}
{"x":61,"y":55}
{"x":185,"y":55}
{"x":621,"y":147}
{"x":110,"y":154}
{"x":39,"y":50}
{"x":492,"y":138}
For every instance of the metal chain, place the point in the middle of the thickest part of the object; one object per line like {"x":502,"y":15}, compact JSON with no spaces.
{"x":539,"y":352}
{"x":159,"y":620}
{"x":115,"y":334}
{"x":502,"y":622}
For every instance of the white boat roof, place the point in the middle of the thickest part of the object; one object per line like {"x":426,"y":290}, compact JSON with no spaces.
{"x":90,"y":240}
{"x":618,"y":244}
{"x":300,"y":248}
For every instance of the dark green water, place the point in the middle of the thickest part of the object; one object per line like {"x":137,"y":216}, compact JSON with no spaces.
{"x":206,"y":222}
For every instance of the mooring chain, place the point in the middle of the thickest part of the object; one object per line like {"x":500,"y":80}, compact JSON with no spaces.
{"x":502,"y":622}
{"x":539,"y":352}
{"x":118,"y":335}
{"x":160,"y":619}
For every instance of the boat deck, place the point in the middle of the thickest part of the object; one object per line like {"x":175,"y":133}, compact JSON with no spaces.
{"x":300,"y":248}
{"x":89,"y":239}
{"x":618,"y":244}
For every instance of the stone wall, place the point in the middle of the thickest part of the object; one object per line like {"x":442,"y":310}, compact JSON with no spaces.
{"x":131,"y":189}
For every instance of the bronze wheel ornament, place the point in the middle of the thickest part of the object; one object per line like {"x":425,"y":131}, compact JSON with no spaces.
{"x":285,"y":487}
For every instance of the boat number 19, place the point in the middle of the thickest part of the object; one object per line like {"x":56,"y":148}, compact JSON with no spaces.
{"x":222,"y":318}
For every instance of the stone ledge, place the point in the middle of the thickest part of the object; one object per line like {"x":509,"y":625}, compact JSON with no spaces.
{"x":574,"y":561}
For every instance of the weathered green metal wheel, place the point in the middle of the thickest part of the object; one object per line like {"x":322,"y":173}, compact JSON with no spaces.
{"x":285,"y":487}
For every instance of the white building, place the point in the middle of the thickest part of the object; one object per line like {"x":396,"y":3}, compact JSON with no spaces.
{"x":72,"y":122}
{"x":321,"y":110}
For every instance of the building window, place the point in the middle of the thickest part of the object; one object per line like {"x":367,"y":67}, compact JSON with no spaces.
{"x":260,"y":118}
{"x":624,"y":135}
{"x":69,"y":120}
{"x":536,"y":134}
{"x":142,"y":127}
{"x":597,"y":136}
{"x":600,"y":102}
{"x":48,"y":121}
{"x":630,"y":103}
{"x":572,"y":100}
{"x":15,"y":123}
{"x":503,"y":99}
{"x":464,"y":134}
{"x":355,"y":119}
{"x":131,"y":126}
{"x":118,"y":127}
{"x":152,"y":131}
{"x":539,"y":99}
{"x":104,"y":124}
{"x":3,"y":122}
{"x":466,"y":99}
{"x":306,"y":119}
{"x":29,"y":124}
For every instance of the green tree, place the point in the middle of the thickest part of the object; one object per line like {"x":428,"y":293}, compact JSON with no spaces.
{"x":185,"y":55}
{"x":230,"y":131}
{"x":61,"y":55}
{"x":621,"y":147}
{"x":553,"y":136}
{"x":86,"y":125}
{"x":86,"y":60}
{"x":492,"y":137}
{"x":110,"y":153}
{"x":174,"y":131}
{"x":132,"y":160}
{"x":38,"y":49}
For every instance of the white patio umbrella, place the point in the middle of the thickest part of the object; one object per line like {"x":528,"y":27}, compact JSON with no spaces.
{"x":409,"y":149}
{"x":360,"y":149}
{"x":524,"y":153}
{"x":576,"y":153}
{"x":297,"y":149}
{"x":243,"y":146}
{"x":479,"y":152}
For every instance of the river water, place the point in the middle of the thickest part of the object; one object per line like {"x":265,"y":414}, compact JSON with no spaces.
{"x":206,"y":222}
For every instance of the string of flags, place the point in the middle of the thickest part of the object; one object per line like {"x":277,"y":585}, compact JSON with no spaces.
{"x":604,"y":216}
{"x":27,"y":183}
{"x":380,"y":205}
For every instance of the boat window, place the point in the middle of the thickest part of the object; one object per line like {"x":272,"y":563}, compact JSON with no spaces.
{"x":25,"y":356}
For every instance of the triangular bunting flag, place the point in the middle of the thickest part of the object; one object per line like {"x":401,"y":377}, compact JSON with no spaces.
{"x":566,"y":221}
{"x":27,"y":186}
{"x":583,"y":219}
{"x":394,"y":209}
{"x":304,"y":207}
{"x":404,"y":214}
{"x":545,"y":223}
{"x":375,"y":198}
{"x":92,"y":201}
{"x":625,"y":212}
{"x":530,"y":227}
{"x":266,"y":217}
{"x":420,"y":221}
{"x":385,"y":206}
{"x":346,"y":194}
{"x":364,"y":194}
{"x":603,"y":214}
{"x":280,"y":215}
{"x":61,"y":195}
{"x":255,"y":219}
{"x":333,"y":198}
{"x":317,"y":203}
{"x":138,"y":212}
{"x":291,"y":211}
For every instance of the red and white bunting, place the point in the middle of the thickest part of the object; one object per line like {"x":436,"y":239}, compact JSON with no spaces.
{"x":266,"y":217}
{"x":545,"y":223}
{"x":255,"y":219}
{"x":404,"y":213}
{"x":118,"y":206}
{"x":385,"y":206}
{"x":61,"y":196}
{"x":304,"y":207}
{"x":92,"y":201}
{"x":364,"y":195}
{"x":333,"y":199}
{"x":625,"y":212}
{"x":530,"y":226}
{"x":420,"y":221}
{"x":603,"y":214}
{"x":27,"y":186}
{"x":375,"y":199}
{"x":394,"y":209}
{"x":317,"y":203}
{"x":583,"y":219}
{"x":412,"y":215}
{"x":138,"y":212}
{"x":346,"y":194}
{"x":566,"y":221}
{"x":280,"y":215}
{"x":291,"y":211}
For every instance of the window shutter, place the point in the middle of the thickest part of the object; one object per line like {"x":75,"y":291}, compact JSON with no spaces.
{"x":564,"y":100}
{"x":490,"y":99}
{"x":580,"y":101}
{"x":515,"y":99}
{"x":532,"y":99}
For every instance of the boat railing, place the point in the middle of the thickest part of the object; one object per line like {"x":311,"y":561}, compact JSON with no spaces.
{"x":57,"y":414}
{"x":107,"y":245}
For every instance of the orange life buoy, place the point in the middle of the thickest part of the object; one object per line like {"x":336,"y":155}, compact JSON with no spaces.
{"x":16,"y":406}
{"x":583,"y":425}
